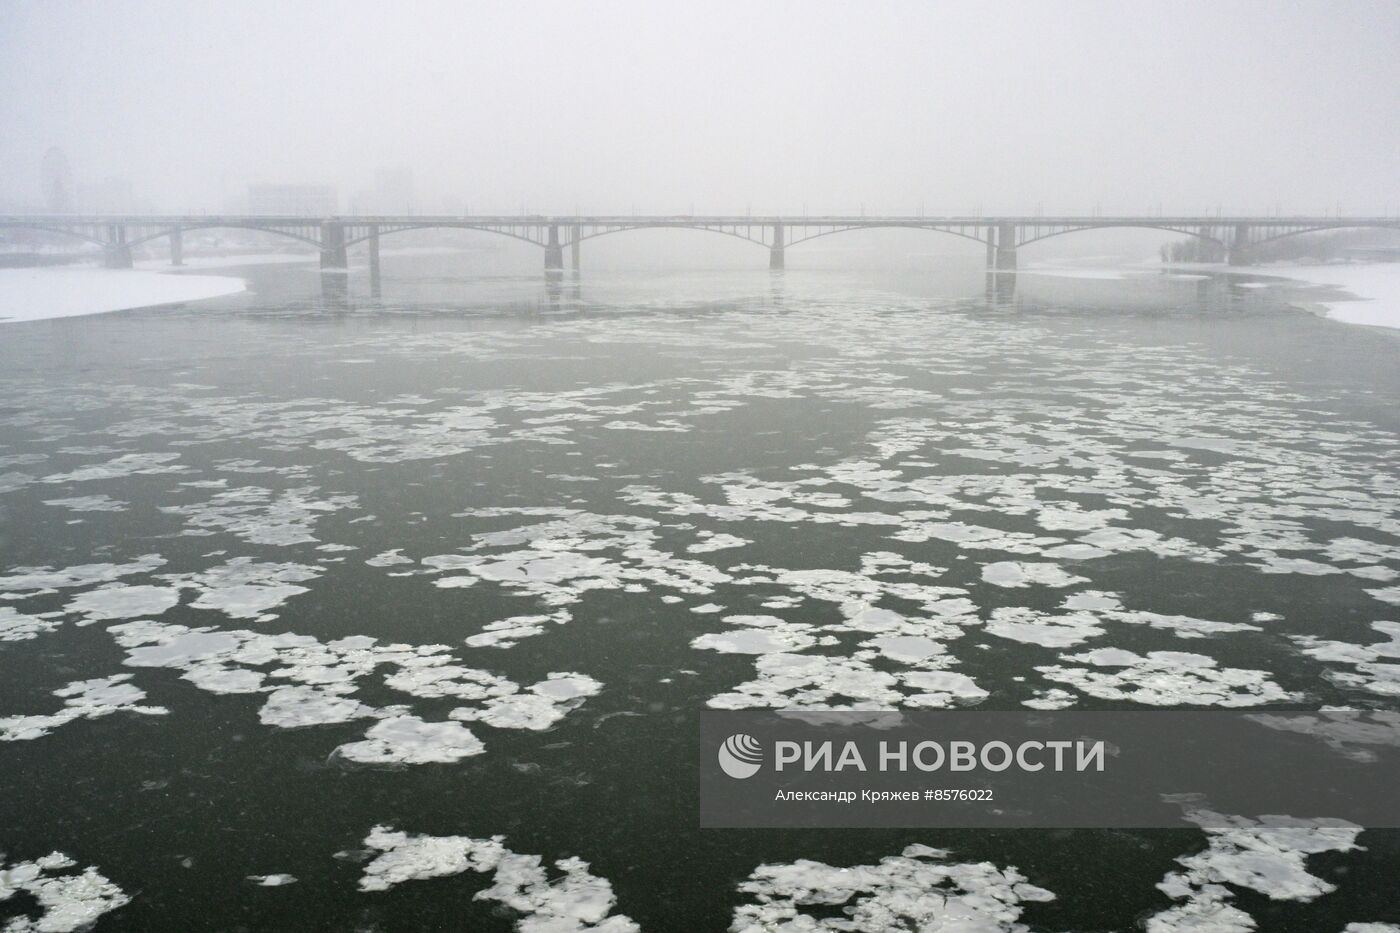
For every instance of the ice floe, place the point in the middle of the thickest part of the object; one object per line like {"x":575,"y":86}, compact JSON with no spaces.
{"x":83,"y":699}
{"x":410,"y":740}
{"x":1165,"y":678}
{"x":123,"y":601}
{"x":757,"y":635}
{"x":716,"y":542}
{"x":573,"y":901}
{"x":17,"y":626}
{"x":1019,"y":623}
{"x":125,"y":465}
{"x":574,"y":554}
{"x":389,"y":559}
{"x":260,"y":516}
{"x":31,"y":581}
{"x":547,"y":702}
{"x":96,"y":503}
{"x":920,"y":889}
{"x":1389,"y":594}
{"x":505,"y":633}
{"x":275,"y":880}
{"x":1375,"y":667}
{"x":308,"y":682}
{"x":243,"y":588}
{"x":795,"y":681}
{"x":1268,"y":856}
{"x":66,"y":901}
{"x":1018,"y":573}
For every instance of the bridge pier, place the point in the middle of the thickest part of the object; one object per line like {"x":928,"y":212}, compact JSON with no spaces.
{"x":574,"y":238}
{"x":116,"y":254}
{"x":177,"y":247}
{"x":553,"y":252}
{"x":1235,"y":254}
{"x":333,"y":245}
{"x":991,"y":247}
{"x":373,"y":242}
{"x":1006,"y":247}
{"x":777,"y":253}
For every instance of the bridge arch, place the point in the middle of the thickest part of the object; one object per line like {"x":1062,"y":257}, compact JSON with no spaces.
{"x":626,"y":228}
{"x":181,"y":228}
{"x":385,"y":231}
{"x":1360,"y":225}
{"x":1186,"y":231}
{"x":933,"y":228}
{"x":59,"y":231}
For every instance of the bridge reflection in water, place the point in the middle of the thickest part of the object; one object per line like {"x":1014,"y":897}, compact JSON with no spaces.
{"x":563,"y":290}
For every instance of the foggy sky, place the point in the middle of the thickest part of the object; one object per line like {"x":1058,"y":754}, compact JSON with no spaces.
{"x":712,"y":106}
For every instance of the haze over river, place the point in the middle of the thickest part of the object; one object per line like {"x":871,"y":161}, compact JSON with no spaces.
{"x":332,"y":612}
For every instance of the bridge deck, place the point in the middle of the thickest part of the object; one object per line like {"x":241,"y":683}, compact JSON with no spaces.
{"x":1002,"y":234}
{"x":793,"y":220}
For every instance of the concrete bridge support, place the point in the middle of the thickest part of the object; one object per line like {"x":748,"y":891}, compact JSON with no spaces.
{"x":1236,"y":254}
{"x":1208,"y":244}
{"x":177,"y":247}
{"x":116,"y":254}
{"x":1006,"y":247}
{"x":553,"y":251}
{"x":333,"y":245}
{"x":777,"y":253}
{"x":575,"y":235}
{"x":991,"y":247}
{"x":373,"y":243}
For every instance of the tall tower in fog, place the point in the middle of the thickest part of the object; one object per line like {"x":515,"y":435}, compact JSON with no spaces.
{"x":58,"y":181}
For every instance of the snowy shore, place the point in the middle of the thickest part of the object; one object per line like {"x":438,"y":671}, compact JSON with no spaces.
{"x":1374,"y":288}
{"x":53,"y":292}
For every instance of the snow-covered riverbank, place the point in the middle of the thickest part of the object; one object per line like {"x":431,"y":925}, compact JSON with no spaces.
{"x":51,"y":292}
{"x":1375,"y":285}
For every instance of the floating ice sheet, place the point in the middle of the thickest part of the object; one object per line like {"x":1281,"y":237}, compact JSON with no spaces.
{"x":82,"y":699}
{"x":1165,"y":678}
{"x":308,"y":682}
{"x":574,"y":901}
{"x":1268,"y":856}
{"x":920,"y":889}
{"x":65,"y":901}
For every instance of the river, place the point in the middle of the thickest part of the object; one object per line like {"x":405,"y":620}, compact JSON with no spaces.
{"x":320,"y":610}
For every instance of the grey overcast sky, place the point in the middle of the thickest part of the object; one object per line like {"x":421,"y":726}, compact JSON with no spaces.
{"x":717,"y":105}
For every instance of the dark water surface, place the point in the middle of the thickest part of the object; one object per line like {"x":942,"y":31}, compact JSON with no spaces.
{"x":468,"y":560}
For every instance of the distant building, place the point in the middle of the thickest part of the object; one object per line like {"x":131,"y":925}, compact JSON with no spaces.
{"x":316,"y":200}
{"x":392,"y":193}
{"x":58,"y":181}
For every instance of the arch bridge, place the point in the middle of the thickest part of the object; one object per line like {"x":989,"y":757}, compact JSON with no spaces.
{"x":333,"y":235}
